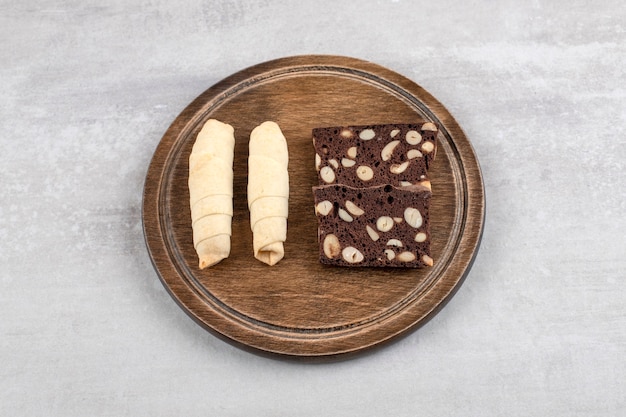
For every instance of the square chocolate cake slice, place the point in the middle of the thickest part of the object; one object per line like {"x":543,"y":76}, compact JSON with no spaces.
{"x":381,"y":226}
{"x":370,"y":155}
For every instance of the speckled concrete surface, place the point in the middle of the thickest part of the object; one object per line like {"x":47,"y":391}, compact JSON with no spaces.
{"x":88,"y":88}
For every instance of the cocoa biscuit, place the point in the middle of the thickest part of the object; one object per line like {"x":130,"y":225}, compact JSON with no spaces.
{"x":370,"y":155}
{"x":382,"y":226}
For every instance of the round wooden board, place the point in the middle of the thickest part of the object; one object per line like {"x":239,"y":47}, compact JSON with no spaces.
{"x":300,"y":308}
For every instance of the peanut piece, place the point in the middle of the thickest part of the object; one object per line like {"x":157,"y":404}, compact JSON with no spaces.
{"x":351,"y":152}
{"x":394,"y":242}
{"x":367,"y":134}
{"x":318,"y":161}
{"x":394,"y":133}
{"x":427,"y":260}
{"x":353,"y":208}
{"x":399,"y":168}
{"x":334,"y":163}
{"x":426,"y":184}
{"x":343,"y":215}
{"x":346,"y":133}
{"x":387,"y":151}
{"x":428,"y":147}
{"x":327,"y":174}
{"x":348,"y":162}
{"x":406,"y":256}
{"x":413,"y":217}
{"x":420,"y":237}
{"x":413,"y":137}
{"x":324,"y":207}
{"x":365,"y":173}
{"x":373,"y":233}
{"x":429,"y":126}
{"x":352,"y":255}
{"x":413,"y":153}
{"x":384,"y":223}
{"x":390,"y":254}
{"x":331,"y":246}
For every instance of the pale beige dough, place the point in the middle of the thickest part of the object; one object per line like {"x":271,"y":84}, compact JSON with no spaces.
{"x":211,"y":191}
{"x":268,"y":191}
{"x":269,"y":180}
{"x":216,"y":139}
{"x":268,"y":239}
{"x":213,"y":250}
{"x":212,"y":177}
{"x":213,"y":204}
{"x":266,"y":207}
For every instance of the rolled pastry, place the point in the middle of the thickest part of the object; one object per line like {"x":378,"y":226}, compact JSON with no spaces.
{"x":211,"y":191}
{"x":268,"y":192}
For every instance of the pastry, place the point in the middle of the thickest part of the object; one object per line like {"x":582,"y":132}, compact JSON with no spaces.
{"x":211,"y":191}
{"x":268,"y":191}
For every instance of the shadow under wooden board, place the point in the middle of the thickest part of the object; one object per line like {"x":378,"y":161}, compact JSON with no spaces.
{"x":300,"y":308}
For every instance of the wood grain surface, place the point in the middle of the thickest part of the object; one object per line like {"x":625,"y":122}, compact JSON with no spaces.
{"x":300,"y":308}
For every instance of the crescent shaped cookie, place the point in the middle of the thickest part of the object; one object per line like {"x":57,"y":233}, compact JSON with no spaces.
{"x":268,"y":191}
{"x":211,"y":191}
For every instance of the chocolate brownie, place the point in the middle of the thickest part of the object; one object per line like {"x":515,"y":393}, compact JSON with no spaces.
{"x":370,"y":155}
{"x":374,"y":226}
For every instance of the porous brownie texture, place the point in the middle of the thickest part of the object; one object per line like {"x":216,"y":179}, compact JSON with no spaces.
{"x":370,"y":155}
{"x":381,"y":226}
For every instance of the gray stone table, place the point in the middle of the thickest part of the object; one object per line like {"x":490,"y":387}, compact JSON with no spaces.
{"x":88,"y":88}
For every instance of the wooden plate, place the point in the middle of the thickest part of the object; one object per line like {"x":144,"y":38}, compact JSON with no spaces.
{"x":300,"y":308}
